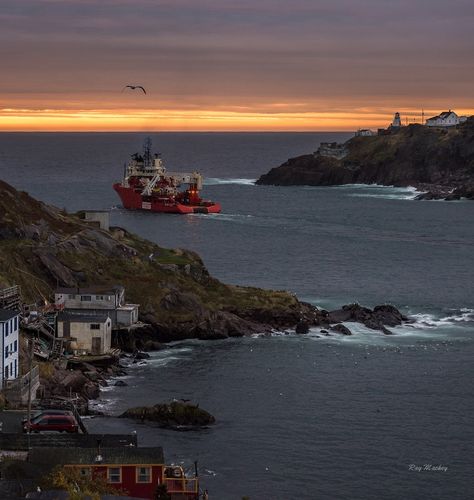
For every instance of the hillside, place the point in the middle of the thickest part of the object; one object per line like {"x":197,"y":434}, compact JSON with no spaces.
{"x":42,"y":247}
{"x":432,"y":159}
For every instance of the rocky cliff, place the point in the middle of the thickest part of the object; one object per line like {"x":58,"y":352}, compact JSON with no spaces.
{"x":42,"y":247}
{"x":433,"y":159}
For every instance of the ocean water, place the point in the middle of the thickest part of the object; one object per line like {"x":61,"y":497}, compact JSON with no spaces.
{"x":298,"y":417}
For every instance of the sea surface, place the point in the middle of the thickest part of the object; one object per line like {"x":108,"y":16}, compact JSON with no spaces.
{"x":298,"y":417}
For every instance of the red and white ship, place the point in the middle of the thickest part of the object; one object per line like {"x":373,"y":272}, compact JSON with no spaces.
{"x":147,"y":185}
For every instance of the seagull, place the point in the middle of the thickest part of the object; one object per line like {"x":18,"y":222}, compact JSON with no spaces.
{"x":133,"y":87}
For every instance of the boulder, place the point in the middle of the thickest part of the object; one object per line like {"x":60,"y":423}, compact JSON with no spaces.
{"x":152,"y":345}
{"x":376,"y":319}
{"x":141,"y":355}
{"x":340,"y":328}
{"x":302,"y":327}
{"x":177,"y":415}
{"x":91,"y":391}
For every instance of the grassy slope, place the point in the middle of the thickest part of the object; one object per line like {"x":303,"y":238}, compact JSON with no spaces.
{"x":42,"y":247}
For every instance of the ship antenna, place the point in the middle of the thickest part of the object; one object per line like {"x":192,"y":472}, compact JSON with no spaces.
{"x":147,"y":156}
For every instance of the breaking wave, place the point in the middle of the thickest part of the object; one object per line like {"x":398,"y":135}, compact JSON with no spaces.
{"x":456,"y":317}
{"x":385,"y":192}
{"x":213,"y":181}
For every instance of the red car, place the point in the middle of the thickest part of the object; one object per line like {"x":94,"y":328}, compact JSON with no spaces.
{"x":59,"y":423}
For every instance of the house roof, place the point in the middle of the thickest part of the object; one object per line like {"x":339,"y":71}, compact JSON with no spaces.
{"x":96,"y":289}
{"x":441,"y":116}
{"x":6,"y":314}
{"x":19,"y":441}
{"x":87,"y":456}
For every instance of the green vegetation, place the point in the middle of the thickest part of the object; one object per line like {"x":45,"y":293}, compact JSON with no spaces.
{"x":41,"y":248}
{"x":78,"y":487}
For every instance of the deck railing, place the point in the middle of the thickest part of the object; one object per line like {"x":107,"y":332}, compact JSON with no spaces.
{"x":182,"y":485}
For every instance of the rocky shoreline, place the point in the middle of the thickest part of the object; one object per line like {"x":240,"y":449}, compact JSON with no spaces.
{"x":84,"y":379}
{"x":438,"y":162}
{"x":178,"y":298}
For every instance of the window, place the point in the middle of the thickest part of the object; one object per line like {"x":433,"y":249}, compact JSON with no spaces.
{"x":70,"y":297}
{"x":99,"y":297}
{"x":15,"y":373}
{"x":6,"y":371}
{"x":85,"y":472}
{"x":15,"y":346}
{"x":86,"y":298}
{"x":15,"y":323}
{"x":7,"y":328}
{"x":6,"y":352}
{"x":114,"y":474}
{"x":143,"y":474}
{"x":95,"y":326}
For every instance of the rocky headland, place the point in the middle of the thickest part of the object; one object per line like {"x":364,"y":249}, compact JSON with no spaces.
{"x":43,"y":247}
{"x":439,"y":162}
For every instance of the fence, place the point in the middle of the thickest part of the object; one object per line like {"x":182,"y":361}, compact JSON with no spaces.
{"x":17,"y":390}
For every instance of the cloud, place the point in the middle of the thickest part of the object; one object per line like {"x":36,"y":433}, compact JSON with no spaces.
{"x":239,"y":53}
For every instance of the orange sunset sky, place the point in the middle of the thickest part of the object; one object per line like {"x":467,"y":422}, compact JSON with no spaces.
{"x":232,"y":65}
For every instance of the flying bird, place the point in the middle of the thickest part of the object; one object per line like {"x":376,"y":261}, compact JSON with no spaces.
{"x":133,"y":87}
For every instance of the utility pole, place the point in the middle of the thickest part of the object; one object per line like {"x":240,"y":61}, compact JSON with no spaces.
{"x":30,"y":363}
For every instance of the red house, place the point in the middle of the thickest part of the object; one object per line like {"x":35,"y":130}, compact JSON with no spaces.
{"x":136,"y":471}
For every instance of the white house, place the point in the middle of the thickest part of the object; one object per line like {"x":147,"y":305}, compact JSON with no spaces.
{"x":87,"y":334}
{"x":99,"y":301}
{"x":364,"y":132}
{"x":445,"y":119}
{"x":9,"y":328}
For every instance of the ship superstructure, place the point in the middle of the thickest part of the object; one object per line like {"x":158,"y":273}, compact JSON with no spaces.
{"x":147,"y":185}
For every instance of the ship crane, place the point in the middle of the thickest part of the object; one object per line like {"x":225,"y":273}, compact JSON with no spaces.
{"x":147,"y":185}
{"x":174,"y":179}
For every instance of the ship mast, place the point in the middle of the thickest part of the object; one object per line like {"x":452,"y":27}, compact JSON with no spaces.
{"x":147,"y":155}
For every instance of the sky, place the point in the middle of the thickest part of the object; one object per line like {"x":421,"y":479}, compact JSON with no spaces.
{"x":232,"y":65}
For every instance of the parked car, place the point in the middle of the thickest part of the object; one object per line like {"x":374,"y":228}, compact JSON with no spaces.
{"x":59,"y":423}
{"x":40,"y":413}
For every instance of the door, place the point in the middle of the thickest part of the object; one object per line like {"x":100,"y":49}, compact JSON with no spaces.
{"x":96,"y":345}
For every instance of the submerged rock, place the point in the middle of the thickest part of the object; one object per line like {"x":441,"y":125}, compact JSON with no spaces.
{"x":177,"y":415}
{"x":340,"y":328}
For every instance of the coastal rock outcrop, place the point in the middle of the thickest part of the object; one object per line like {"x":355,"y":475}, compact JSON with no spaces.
{"x":177,"y":415}
{"x":438,"y":161}
{"x":177,"y":296}
{"x":41,"y":247}
{"x":376,"y":319}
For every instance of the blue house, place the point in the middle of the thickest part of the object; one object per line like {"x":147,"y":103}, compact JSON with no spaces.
{"x":9,"y":328}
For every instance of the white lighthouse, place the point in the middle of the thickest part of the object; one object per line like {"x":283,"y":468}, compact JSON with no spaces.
{"x":396,"y":120}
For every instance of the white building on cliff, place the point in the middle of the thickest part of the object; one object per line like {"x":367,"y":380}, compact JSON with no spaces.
{"x":445,"y":119}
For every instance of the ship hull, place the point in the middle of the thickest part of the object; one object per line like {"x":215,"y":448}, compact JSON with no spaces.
{"x":134,"y":200}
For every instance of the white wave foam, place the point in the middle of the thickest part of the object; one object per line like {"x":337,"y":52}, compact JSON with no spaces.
{"x":423,"y":320}
{"x":380,"y":191}
{"x":213,"y":181}
{"x":389,"y":193}
{"x":222,"y":217}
